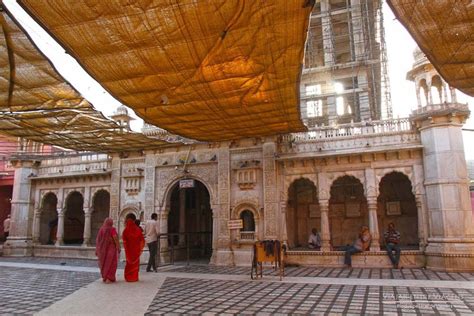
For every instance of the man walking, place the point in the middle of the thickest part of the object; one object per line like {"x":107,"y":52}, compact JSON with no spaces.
{"x":151,"y":238}
{"x":392,"y":240}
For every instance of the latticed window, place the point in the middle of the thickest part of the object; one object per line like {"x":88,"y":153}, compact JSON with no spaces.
{"x":314,"y":108}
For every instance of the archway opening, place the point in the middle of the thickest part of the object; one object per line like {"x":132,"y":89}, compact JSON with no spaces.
{"x":74,"y":219}
{"x":348,"y":210}
{"x":247,"y":232}
{"x":397,"y":204}
{"x":191,"y":218}
{"x":303,"y":212}
{"x":100,"y":211}
{"x":48,"y":219}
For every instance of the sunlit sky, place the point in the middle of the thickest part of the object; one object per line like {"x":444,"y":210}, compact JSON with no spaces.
{"x":400,"y":47}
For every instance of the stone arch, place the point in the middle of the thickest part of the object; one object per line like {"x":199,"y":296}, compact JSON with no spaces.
{"x":348,"y":209}
{"x":423,"y":86}
{"x":237,"y":211}
{"x":437,"y":84}
{"x":74,"y":218}
{"x":48,"y":218}
{"x":128,"y":209}
{"x":302,"y":211}
{"x":407,"y":171}
{"x":100,"y":210}
{"x":396,"y":203}
{"x":292,"y":178}
{"x":165,"y":199}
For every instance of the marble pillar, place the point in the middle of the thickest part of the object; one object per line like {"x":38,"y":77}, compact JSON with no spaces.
{"x":87,"y":227}
{"x":36,"y":226}
{"x":373,"y":224}
{"x":60,"y":230}
{"x":325,"y":231}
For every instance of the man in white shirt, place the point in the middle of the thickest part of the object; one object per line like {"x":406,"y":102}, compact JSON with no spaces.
{"x":314,"y":240}
{"x":151,"y":237}
{"x":6,"y":226}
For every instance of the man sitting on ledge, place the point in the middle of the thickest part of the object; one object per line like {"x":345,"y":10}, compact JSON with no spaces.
{"x":314,"y":241}
{"x":392,"y":240}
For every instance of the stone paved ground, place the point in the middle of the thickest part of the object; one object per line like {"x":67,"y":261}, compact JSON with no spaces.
{"x":407,"y":274}
{"x":197,"y":289}
{"x":25,"y":291}
{"x":194,"y":296}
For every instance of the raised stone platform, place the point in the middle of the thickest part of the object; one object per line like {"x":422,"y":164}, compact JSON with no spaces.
{"x":368,"y":259}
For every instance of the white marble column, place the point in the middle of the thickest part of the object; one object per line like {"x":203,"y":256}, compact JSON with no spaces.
{"x":373,"y":224}
{"x":87,"y":227}
{"x":36,"y":226}
{"x":325,"y":231}
{"x":60,"y":229}
{"x":421,"y":225}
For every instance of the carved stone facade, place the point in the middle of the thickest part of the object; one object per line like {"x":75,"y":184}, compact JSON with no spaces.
{"x":350,"y":187}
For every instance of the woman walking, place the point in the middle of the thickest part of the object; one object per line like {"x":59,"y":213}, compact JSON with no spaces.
{"x":133,"y":242}
{"x":107,"y":250}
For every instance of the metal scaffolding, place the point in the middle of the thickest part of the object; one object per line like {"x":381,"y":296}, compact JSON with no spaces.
{"x":345,"y":68}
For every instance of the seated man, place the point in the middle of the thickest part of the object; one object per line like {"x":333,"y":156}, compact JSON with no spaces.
{"x":362,"y":243}
{"x":392,"y":240}
{"x":314,"y":241}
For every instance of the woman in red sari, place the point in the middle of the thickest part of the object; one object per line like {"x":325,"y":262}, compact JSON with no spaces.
{"x":107,"y":248}
{"x":133,"y":243}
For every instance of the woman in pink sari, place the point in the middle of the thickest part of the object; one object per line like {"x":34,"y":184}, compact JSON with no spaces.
{"x":107,"y":250}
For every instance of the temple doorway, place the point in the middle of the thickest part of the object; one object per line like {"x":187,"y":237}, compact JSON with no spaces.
{"x":190,"y":219}
{"x":303,"y":212}
{"x":48,"y":219}
{"x":74,"y":219}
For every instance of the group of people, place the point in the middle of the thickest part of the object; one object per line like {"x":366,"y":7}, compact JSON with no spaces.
{"x":362,"y":243}
{"x":133,"y":238}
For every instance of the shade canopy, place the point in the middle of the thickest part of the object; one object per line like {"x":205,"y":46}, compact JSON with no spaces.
{"x":207,"y":70}
{"x":444,"y":31}
{"x":37,"y":104}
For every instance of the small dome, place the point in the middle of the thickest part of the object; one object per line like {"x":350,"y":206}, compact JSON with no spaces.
{"x":121,"y":110}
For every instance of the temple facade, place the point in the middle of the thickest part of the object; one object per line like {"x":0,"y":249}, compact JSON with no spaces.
{"x":355,"y":166}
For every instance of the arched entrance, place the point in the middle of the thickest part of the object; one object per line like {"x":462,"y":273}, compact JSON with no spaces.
{"x":348,"y":210}
{"x":397,"y":204}
{"x":191,"y":215}
{"x":48,"y":219}
{"x":74,"y":219}
{"x":100,"y":211}
{"x":302,"y":214}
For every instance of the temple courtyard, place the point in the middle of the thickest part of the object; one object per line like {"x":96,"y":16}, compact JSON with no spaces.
{"x":49,"y":286}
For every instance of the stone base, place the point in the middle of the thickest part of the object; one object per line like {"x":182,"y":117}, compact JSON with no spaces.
{"x":73,"y":252}
{"x":450,"y":256}
{"x":225,"y":257}
{"x":18,"y":248}
{"x":369,"y":259}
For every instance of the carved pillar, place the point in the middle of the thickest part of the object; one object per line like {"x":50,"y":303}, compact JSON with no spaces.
{"x":328,"y":45}
{"x":150,"y":175}
{"x":182,"y":215}
{"x":60,"y":230}
{"x":284,"y":232}
{"x":21,"y":224}
{"x":325,"y":232}
{"x":87,"y":227}
{"x":422,"y":237}
{"x":270,"y":199}
{"x":36,"y":226}
{"x":115,"y":180}
{"x":373,"y":224}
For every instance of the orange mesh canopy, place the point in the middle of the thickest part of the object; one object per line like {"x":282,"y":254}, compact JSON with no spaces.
{"x":208,"y":70}
{"x":37,"y":104}
{"x":444,"y":31}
